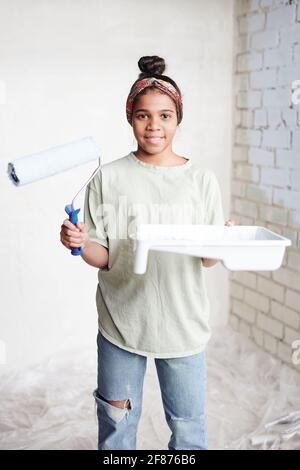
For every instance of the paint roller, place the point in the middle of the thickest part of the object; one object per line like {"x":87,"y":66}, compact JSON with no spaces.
{"x":49,"y":162}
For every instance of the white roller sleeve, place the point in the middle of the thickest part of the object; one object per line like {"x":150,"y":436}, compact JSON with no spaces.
{"x":53,"y":161}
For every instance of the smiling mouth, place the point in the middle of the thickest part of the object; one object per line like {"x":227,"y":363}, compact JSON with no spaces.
{"x":153,"y":139}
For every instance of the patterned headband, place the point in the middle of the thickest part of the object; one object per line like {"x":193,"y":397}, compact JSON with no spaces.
{"x":162,"y":85}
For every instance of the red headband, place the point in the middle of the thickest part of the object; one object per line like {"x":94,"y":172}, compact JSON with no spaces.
{"x":162,"y":85}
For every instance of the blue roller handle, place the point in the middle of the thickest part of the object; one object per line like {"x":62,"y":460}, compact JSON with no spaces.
{"x":74,"y":219}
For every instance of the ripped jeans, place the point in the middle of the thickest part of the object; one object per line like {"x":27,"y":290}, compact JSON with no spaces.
{"x":182,"y":383}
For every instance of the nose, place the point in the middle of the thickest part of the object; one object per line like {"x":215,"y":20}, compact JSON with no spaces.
{"x":153,"y":124}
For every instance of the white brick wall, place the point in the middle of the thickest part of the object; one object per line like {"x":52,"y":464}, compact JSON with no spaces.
{"x":265,"y":39}
{"x":263,"y":78}
{"x":280,"y":138}
{"x":265,"y":306}
{"x":260,"y":118}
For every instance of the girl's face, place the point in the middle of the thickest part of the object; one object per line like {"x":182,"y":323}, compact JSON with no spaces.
{"x":154,"y":122}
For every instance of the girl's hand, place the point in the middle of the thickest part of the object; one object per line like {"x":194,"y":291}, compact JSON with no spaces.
{"x":229,"y":223}
{"x":72,"y":236}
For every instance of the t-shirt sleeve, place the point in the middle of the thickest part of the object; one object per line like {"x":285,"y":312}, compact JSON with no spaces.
{"x":212,"y":200}
{"x":93,"y":212}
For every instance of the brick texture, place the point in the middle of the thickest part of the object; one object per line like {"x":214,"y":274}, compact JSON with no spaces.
{"x":265,"y":306}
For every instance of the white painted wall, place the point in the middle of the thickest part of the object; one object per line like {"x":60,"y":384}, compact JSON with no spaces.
{"x":66,"y":68}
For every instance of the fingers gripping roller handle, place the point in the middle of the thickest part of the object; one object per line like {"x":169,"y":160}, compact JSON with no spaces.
{"x":72,"y":213}
{"x":75,"y":251}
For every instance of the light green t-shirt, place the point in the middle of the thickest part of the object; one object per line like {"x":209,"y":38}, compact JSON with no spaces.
{"x":164,"y":312}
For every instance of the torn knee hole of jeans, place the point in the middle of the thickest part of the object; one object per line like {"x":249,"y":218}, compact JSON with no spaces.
{"x":126,"y":403}
{"x":114,"y":413}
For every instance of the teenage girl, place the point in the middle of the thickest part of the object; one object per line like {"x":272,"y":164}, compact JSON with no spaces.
{"x":163,"y":314}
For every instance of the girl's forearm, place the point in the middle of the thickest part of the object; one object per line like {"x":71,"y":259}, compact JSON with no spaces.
{"x":95,"y":255}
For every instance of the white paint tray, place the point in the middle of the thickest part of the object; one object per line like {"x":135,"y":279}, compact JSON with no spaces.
{"x":239,"y":247}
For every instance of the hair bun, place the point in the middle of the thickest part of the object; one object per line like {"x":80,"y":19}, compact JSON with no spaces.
{"x":151,"y":65}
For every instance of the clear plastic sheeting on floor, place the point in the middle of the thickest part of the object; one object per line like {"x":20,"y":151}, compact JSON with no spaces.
{"x":253,"y":401}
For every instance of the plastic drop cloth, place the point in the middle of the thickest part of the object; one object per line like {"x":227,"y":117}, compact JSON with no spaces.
{"x":253,"y":401}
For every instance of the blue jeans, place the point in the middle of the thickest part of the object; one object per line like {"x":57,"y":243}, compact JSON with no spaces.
{"x":121,"y":377}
